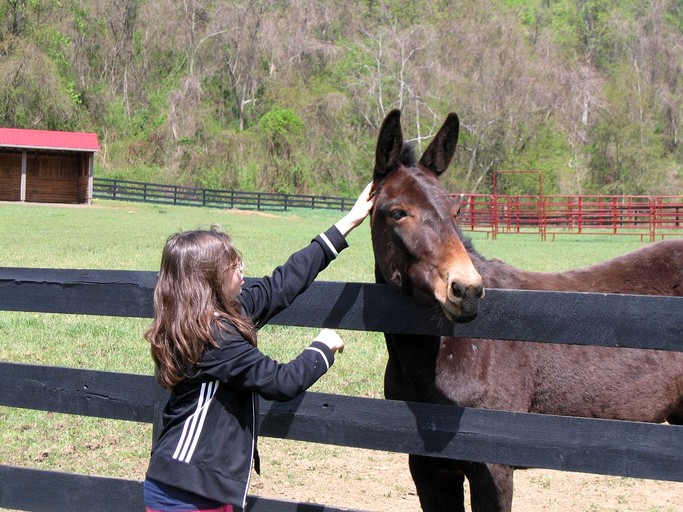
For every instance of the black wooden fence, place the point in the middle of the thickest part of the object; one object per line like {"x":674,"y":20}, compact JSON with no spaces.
{"x":137,"y":191}
{"x":529,"y":440}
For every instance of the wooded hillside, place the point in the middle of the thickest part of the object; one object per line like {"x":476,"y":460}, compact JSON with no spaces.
{"x":288,"y":96}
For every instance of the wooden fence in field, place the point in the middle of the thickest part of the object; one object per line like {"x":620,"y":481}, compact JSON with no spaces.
{"x":177,"y":195}
{"x":528,"y":440}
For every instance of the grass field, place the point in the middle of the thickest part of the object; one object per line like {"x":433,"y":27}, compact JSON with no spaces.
{"x":115,"y":235}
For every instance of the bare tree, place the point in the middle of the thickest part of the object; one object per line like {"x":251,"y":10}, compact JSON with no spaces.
{"x":658,"y":59}
{"x":241,"y":52}
{"x":500,"y":93}
{"x":18,"y":11}
{"x":390,"y":74}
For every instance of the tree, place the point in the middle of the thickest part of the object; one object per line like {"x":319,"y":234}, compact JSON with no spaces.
{"x":31,"y":91}
{"x":242,"y":59}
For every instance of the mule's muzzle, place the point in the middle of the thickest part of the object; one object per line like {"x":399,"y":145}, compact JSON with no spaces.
{"x":463,"y":301}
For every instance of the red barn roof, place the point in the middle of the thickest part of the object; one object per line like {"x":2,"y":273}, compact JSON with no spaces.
{"x":45,"y":139}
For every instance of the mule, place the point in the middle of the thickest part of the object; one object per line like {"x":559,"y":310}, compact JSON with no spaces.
{"x":420,"y":250}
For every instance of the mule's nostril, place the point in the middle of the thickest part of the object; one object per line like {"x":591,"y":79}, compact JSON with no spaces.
{"x":461,"y":291}
{"x":458,"y":290}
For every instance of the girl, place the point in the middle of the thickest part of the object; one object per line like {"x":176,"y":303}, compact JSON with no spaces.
{"x":203,"y":340}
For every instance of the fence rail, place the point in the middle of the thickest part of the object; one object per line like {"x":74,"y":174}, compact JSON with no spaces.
{"x":530,"y":440}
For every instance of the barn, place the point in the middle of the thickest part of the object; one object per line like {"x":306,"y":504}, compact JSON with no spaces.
{"x":45,"y":166}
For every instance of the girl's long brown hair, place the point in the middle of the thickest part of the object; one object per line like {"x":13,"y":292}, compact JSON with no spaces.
{"x":190,"y":299}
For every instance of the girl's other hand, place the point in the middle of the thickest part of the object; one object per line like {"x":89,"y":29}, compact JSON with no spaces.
{"x":331,"y":339}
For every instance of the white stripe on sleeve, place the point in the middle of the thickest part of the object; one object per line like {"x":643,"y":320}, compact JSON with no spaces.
{"x":327,"y":363}
{"x":329,"y":244}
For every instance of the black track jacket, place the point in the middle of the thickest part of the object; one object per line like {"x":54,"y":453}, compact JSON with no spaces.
{"x":210,"y":423}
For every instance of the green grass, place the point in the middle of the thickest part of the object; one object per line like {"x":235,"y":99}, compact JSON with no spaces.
{"x":115,"y":235}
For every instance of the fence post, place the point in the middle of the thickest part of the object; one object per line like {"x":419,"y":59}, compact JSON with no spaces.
{"x":494,"y":216}
{"x":542,"y":221}
{"x":652,"y":202}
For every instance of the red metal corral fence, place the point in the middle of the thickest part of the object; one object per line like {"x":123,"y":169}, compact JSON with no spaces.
{"x":648,"y":217}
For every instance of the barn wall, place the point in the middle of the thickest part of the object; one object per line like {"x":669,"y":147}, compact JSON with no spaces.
{"x":10,"y":176}
{"x":84,"y":183}
{"x":56,"y":178}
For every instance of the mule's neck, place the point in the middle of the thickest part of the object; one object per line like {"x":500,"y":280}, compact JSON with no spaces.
{"x":411,"y":367}
{"x":651,"y":270}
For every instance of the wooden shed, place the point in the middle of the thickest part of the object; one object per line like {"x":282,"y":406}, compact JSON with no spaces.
{"x":46,"y":166}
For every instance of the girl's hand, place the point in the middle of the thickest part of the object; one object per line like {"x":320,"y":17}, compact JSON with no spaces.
{"x":331,"y":339}
{"x":360,"y":210}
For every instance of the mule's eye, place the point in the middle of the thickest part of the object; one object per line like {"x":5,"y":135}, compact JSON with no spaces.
{"x":398,"y":214}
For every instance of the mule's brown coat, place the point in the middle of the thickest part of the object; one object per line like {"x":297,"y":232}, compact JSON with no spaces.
{"x":419,"y":250}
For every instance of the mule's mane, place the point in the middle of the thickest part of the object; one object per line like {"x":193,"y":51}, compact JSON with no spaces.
{"x":408,"y":156}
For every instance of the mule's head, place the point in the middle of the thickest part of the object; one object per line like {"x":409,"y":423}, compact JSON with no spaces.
{"x":415,"y":237}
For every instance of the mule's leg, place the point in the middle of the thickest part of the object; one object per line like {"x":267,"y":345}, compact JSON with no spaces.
{"x":440,"y":486}
{"x":490,"y":486}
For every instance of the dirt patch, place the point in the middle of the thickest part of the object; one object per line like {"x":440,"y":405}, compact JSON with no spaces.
{"x":59,"y":205}
{"x":251,"y":213}
{"x":378,"y":481}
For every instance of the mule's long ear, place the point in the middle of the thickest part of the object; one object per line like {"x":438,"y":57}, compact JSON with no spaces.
{"x":440,"y":152}
{"x":389,"y":145}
